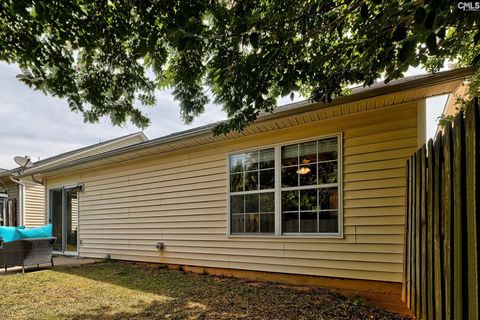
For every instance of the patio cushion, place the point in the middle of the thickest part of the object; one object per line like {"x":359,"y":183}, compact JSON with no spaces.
{"x":40,"y":232}
{"x":9,"y":233}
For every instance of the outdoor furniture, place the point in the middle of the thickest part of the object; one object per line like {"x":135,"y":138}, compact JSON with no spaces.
{"x":26,"y":252}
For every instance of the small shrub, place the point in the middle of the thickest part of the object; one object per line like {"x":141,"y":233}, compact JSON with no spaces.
{"x":356,"y":300}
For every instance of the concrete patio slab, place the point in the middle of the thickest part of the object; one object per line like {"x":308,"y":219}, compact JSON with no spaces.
{"x":58,"y":261}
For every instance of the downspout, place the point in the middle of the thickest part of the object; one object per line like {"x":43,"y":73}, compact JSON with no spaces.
{"x":21,"y":195}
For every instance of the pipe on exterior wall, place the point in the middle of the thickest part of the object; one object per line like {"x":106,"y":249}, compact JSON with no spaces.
{"x":21,"y":195}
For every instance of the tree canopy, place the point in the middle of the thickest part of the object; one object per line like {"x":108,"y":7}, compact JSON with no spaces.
{"x":106,"y":57}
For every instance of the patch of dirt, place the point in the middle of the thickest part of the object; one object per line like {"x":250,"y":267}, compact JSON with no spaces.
{"x":230,"y":298}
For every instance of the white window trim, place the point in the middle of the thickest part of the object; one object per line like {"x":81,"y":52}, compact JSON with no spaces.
{"x":278,"y":191}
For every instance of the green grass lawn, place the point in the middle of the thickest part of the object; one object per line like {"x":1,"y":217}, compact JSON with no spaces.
{"x":121,"y":290}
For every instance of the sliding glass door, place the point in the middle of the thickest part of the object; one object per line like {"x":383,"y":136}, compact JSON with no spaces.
{"x":64,"y":218}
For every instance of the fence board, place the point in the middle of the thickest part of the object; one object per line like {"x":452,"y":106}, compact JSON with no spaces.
{"x":406,"y":265}
{"x":418,"y":189}
{"x":459,"y":219}
{"x":437,"y":228}
{"x":423,"y":218}
{"x":471,"y":141}
{"x":447,"y":224}
{"x":413,"y":297}
{"x":430,"y":203}
{"x":407,"y":241}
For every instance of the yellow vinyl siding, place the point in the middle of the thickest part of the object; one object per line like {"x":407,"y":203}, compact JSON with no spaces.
{"x":34,"y":194}
{"x":181,"y":198}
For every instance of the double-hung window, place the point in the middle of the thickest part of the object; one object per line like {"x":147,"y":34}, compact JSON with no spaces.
{"x":304,"y":200}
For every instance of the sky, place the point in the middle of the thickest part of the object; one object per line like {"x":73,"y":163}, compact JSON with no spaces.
{"x":41,"y":126}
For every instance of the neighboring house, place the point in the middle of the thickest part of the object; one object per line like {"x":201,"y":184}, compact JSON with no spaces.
{"x":312,"y":189}
{"x":9,"y":195}
{"x":23,"y":202}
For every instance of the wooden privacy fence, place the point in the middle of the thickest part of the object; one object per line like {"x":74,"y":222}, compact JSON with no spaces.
{"x":441,"y":267}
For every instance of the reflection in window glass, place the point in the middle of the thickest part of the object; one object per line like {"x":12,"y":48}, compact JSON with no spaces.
{"x":310,"y":187}
{"x":252,"y":207}
{"x":267,"y":202}
{"x":267,"y":179}
{"x":267,"y":158}
{"x":290,"y":222}
{"x":251,"y":180}
{"x":252,"y":203}
{"x":237,"y":204}
{"x":236,"y":182}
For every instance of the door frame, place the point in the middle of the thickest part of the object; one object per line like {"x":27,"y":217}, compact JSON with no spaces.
{"x":63,"y":215}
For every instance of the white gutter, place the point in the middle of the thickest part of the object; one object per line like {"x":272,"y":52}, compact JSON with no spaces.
{"x":21,"y":195}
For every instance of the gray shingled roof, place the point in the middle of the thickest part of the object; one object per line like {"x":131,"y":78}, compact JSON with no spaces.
{"x":6,"y":172}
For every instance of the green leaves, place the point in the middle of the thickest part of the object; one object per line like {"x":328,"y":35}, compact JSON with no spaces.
{"x":432,"y":42}
{"x":105,"y":58}
{"x":420,"y":14}
{"x":430,"y":19}
{"x":364,"y":11}
{"x":406,"y":51}
{"x":399,"y":33}
{"x":476,"y":38}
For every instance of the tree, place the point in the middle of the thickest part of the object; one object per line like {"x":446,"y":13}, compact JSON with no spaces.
{"x":104,"y":55}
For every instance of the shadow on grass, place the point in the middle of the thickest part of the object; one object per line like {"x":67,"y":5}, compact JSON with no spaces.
{"x":193,"y":296}
{"x":153,"y":310}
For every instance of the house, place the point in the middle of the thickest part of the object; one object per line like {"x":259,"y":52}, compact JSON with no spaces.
{"x":22,"y":199}
{"x":312,"y":193}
